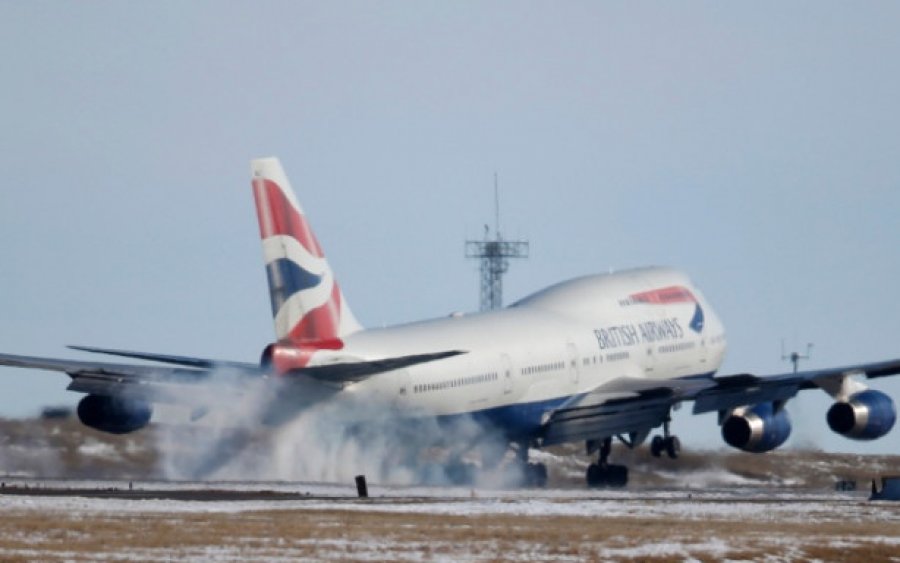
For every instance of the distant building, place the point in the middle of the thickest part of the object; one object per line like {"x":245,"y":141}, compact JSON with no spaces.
{"x":56,"y":413}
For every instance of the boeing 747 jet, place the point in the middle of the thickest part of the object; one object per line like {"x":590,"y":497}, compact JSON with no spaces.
{"x":593,"y":359}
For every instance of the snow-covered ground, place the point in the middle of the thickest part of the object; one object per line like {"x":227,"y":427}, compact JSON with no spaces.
{"x":444,"y":524}
{"x":700,"y":508}
{"x":740,"y":503}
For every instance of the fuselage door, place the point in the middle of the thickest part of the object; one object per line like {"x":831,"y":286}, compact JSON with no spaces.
{"x":573,"y":360}
{"x":403,"y":386}
{"x":506,"y":373}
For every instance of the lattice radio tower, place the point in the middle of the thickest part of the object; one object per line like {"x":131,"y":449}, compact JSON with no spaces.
{"x":494,"y":255}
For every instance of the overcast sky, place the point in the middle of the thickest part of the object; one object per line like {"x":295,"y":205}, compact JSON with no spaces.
{"x":754,"y":145}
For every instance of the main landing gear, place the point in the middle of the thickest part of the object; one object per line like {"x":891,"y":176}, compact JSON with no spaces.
{"x":533,"y":474}
{"x":605,"y":474}
{"x":665,"y":443}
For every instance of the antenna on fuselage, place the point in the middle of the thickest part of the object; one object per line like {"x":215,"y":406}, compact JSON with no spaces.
{"x":494,"y":255}
{"x":795,"y":357}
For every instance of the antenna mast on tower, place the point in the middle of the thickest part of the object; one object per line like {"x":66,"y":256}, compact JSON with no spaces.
{"x":494,"y":255}
{"x":795,"y":357}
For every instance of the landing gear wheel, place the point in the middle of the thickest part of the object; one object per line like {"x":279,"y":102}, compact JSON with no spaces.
{"x":673,"y":446}
{"x":657,"y":446}
{"x":617,"y":475}
{"x":604,"y":474}
{"x":665,"y":443}
{"x":607,"y":475}
{"x":536,"y":475}
{"x":595,"y":476}
{"x":460,"y":473}
{"x":533,"y":474}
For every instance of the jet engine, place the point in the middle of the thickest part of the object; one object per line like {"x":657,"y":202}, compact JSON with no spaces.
{"x":866,"y":415}
{"x":757,"y":429}
{"x":116,"y":415}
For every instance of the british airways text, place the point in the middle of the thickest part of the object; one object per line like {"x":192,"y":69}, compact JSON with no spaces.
{"x":647,"y":332}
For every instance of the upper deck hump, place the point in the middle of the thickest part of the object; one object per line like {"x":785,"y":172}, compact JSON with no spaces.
{"x":569,"y":297}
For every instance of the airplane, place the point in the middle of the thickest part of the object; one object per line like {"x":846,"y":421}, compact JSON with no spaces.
{"x":590,"y":360}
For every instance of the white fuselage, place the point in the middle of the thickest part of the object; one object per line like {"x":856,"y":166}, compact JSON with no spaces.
{"x":568,"y":339}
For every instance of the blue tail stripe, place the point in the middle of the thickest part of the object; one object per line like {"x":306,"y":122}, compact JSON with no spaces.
{"x":287,"y":278}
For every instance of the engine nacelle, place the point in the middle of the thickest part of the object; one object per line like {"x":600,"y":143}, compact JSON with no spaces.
{"x":757,"y":429}
{"x":116,"y":415}
{"x":867,"y":415}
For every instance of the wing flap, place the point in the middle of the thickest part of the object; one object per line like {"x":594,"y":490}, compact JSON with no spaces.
{"x":621,"y":417}
{"x":97,"y":384}
{"x":621,"y":406}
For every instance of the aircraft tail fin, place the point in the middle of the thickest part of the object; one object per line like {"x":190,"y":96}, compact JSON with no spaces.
{"x":307,"y":303}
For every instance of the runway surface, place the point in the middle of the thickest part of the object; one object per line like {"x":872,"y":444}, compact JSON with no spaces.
{"x":221,"y":521}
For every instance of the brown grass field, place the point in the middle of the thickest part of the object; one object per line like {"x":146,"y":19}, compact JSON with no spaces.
{"x":348,"y":535}
{"x":685,"y":525}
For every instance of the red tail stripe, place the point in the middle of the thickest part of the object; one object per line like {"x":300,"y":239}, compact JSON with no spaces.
{"x":320,"y":324}
{"x":277,"y":216}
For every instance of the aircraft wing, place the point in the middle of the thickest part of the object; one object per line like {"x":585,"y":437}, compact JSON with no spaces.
{"x":336,"y":372}
{"x":631,"y":405}
{"x":186,"y":361}
{"x":166,"y":384}
{"x":151,"y":383}
{"x":745,"y":389}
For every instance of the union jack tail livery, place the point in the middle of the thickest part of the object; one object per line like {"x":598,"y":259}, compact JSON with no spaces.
{"x":307,"y":303}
